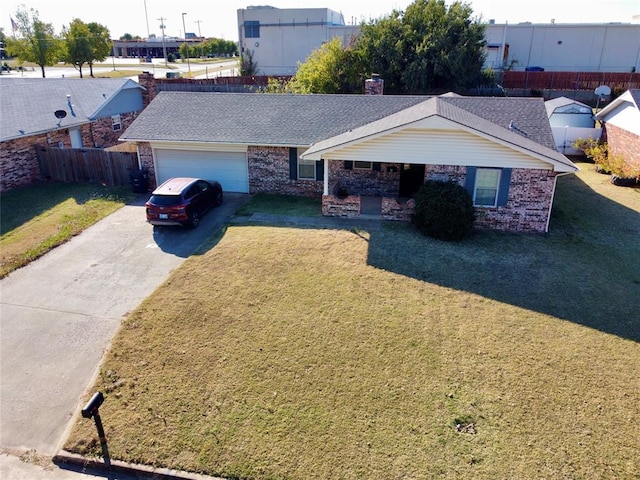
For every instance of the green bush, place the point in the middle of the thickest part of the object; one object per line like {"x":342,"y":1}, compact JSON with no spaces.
{"x":444,"y":210}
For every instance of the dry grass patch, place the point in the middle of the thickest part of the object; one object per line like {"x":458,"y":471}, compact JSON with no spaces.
{"x":38,"y":218}
{"x":299,"y":353}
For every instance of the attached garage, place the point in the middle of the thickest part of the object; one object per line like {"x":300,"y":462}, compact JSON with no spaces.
{"x":228,"y":166}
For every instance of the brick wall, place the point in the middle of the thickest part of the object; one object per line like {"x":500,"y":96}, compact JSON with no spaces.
{"x":100,"y":133}
{"x":624,"y":143}
{"x":348,"y":207}
{"x":269,"y":173}
{"x":19,"y":160}
{"x":383,"y":183}
{"x":145,"y":159}
{"x":392,"y":209}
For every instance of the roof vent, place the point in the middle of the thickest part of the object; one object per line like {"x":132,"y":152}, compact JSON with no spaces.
{"x":513,"y":128}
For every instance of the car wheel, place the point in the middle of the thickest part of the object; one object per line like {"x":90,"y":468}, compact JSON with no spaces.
{"x":219,"y":198}
{"x":194,"y":219}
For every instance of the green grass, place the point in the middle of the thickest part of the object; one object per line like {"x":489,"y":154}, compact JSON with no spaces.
{"x":282,"y":205}
{"x":301,"y":353}
{"x":35,"y":219}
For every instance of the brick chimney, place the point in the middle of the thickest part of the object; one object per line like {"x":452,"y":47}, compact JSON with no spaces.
{"x":148,"y":81}
{"x":374,"y":85}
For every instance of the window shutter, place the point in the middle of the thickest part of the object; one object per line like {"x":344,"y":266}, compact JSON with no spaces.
{"x":503,"y":189}
{"x":376,"y":166}
{"x":470,"y":181}
{"x":348,"y":165}
{"x":320,"y":170}
{"x":293,"y":163}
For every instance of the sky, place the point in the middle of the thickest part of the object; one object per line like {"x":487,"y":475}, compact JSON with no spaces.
{"x":215,"y":18}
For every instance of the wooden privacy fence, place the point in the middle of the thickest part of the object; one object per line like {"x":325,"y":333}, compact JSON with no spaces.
{"x":570,"y":80}
{"x":86,"y":165}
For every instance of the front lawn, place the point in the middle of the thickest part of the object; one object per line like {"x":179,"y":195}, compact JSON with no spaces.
{"x":35,"y":219}
{"x":313,"y":354}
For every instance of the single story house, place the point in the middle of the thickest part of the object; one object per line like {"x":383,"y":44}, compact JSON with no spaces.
{"x":621,"y":124}
{"x":379,"y":148}
{"x":60,"y":112}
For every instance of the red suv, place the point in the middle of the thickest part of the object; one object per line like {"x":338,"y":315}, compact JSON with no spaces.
{"x":182,"y":201}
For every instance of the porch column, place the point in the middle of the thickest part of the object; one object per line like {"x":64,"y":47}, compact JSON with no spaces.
{"x":326,"y":176}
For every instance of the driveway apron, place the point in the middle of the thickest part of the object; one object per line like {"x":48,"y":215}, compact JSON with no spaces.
{"x":59,"y":314}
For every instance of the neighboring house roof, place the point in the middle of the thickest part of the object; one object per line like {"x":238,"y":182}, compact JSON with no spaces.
{"x":328,"y":120}
{"x":624,"y":111}
{"x":556,"y":103}
{"x":442,"y":108}
{"x":28,"y":104}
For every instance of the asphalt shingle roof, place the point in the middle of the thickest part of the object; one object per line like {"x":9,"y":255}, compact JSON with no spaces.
{"x":258,"y":119}
{"x":28,"y":104}
{"x":443,"y":108}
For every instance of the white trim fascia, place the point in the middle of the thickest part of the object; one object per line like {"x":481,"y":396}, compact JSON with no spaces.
{"x":452,"y":126}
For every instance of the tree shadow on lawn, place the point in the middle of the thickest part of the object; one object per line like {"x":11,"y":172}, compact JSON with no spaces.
{"x":586,"y":270}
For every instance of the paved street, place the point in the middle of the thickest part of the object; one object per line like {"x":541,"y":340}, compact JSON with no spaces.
{"x":157,"y":67}
{"x":60,"y":312}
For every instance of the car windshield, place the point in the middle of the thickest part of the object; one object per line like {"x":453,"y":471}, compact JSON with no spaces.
{"x":165,"y":200}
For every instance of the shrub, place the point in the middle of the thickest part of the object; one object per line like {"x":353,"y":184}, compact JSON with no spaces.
{"x":444,"y":210}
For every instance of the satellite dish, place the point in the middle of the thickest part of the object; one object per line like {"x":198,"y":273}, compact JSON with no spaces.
{"x":60,"y":114}
{"x":603,"y":90}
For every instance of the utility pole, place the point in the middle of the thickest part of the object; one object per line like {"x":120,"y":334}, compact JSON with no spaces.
{"x":164,"y":46}
{"x":186,"y":47}
{"x":201,"y":39}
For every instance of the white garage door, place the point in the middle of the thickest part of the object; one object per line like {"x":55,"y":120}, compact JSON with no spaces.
{"x":228,"y":168}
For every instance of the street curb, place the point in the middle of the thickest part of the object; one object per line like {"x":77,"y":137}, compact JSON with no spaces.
{"x":63,"y":458}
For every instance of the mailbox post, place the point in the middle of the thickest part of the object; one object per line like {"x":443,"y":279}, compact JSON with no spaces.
{"x":91,"y":409}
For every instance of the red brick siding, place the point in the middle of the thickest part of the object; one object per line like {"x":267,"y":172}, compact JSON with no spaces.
{"x":624,"y":143}
{"x":383,"y":183}
{"x":145,"y":160}
{"x":333,"y":206}
{"x":19,"y":160}
{"x":269,"y":173}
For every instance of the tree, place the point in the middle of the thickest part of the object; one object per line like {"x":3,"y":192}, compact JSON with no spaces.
{"x":430,"y":47}
{"x":248,"y":66}
{"x":330,"y":69}
{"x":100,"y":43}
{"x":35,"y":40}
{"x":77,"y":44}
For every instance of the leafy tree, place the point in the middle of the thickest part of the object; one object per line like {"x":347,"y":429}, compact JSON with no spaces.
{"x":77,"y":44}
{"x":330,"y":69}
{"x":35,"y":41}
{"x":430,"y":47}
{"x":100,"y":43}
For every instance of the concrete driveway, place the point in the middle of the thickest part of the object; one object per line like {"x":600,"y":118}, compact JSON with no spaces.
{"x":60,"y":312}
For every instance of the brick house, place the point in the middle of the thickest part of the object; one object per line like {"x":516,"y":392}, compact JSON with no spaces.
{"x":67,"y":113}
{"x":621,"y":125}
{"x":362,"y":154}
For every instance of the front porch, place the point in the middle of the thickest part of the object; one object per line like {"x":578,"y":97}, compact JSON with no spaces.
{"x":364,"y":206}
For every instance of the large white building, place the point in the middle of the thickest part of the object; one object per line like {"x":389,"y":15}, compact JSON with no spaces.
{"x":280,"y":38}
{"x":575,"y":47}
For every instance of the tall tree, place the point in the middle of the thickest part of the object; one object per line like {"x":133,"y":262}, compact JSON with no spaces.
{"x":33,"y":40}
{"x":430,"y":47}
{"x":330,"y":69}
{"x":77,"y":44}
{"x":100,"y":43}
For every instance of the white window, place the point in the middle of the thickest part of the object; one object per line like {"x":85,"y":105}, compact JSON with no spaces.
{"x":116,"y":121}
{"x":362,"y":165}
{"x":485,"y":191}
{"x":306,"y":169}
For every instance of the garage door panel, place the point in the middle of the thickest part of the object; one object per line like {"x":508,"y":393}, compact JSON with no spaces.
{"x":228,"y":168}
